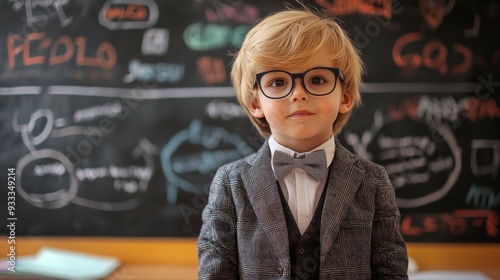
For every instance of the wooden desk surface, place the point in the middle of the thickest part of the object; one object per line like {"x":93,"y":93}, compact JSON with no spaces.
{"x":154,"y":272}
{"x":163,"y":272}
{"x":175,"y":258}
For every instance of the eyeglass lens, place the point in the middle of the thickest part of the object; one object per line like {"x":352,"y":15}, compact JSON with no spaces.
{"x":317,"y":81}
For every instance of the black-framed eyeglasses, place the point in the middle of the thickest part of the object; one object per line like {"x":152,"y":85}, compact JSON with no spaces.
{"x":318,"y":81}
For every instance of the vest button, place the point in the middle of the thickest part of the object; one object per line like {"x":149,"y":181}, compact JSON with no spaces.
{"x":279,"y":270}
{"x":301,"y":250}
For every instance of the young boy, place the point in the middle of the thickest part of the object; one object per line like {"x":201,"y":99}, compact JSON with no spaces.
{"x":332,"y":215}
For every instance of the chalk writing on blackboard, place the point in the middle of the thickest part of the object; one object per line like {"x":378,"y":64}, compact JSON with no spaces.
{"x":59,"y":175}
{"x":429,"y":154}
{"x":456,"y":223}
{"x":483,"y":197}
{"x":137,"y":15}
{"x":198,"y":149}
{"x":38,"y":12}
{"x":492,"y":148}
{"x":155,"y":41}
{"x":154,"y":72}
{"x":59,"y":50}
{"x":117,"y":113}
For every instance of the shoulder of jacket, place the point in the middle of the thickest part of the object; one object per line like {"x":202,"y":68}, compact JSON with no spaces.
{"x":236,"y":167}
{"x":370,"y":168}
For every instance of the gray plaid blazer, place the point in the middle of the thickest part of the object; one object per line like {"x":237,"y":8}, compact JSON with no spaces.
{"x":244,"y":233}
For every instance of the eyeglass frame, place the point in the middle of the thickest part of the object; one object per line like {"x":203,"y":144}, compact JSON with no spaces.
{"x":335,"y":71}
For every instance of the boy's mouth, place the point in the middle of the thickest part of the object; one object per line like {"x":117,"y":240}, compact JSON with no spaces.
{"x":300,"y":113}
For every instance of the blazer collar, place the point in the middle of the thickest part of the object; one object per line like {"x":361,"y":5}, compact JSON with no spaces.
{"x":345,"y":179}
{"x":264,"y":196}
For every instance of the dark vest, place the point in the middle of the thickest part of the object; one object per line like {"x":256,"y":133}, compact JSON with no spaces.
{"x":304,"y":250}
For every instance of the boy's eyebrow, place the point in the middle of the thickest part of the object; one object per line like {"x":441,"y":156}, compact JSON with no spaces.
{"x":292,"y":72}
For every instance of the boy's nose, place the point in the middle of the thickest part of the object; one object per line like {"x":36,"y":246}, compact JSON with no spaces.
{"x":298,"y":91}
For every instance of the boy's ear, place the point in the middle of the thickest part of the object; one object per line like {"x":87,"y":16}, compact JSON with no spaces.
{"x":256,"y":110}
{"x":346,"y":103}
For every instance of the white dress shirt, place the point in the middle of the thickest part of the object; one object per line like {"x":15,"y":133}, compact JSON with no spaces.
{"x":301,"y":191}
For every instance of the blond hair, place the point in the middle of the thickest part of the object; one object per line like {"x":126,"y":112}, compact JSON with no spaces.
{"x":288,"y":39}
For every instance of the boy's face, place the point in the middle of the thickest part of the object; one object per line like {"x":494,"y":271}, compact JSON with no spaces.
{"x":301,"y":121}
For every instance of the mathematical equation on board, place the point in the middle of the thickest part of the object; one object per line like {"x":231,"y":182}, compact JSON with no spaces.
{"x":217,"y":26}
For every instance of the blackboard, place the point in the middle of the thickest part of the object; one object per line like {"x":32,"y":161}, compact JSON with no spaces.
{"x":114,"y":115}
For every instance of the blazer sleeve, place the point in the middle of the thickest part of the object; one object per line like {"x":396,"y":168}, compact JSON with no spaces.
{"x":216,"y":246}
{"x":389,"y":256}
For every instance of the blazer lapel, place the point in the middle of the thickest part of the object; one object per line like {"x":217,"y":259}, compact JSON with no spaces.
{"x":264,"y":196}
{"x":345,"y":178}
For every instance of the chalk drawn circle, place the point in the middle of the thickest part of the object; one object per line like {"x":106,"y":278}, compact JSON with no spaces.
{"x":178,"y":164}
{"x":50,"y":200}
{"x":416,"y":183}
{"x":39,"y":114}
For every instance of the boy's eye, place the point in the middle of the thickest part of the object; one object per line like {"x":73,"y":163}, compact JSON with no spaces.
{"x":316,"y":80}
{"x":278,"y":83}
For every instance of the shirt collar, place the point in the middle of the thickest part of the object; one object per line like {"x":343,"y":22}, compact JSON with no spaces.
{"x":328,"y":146}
